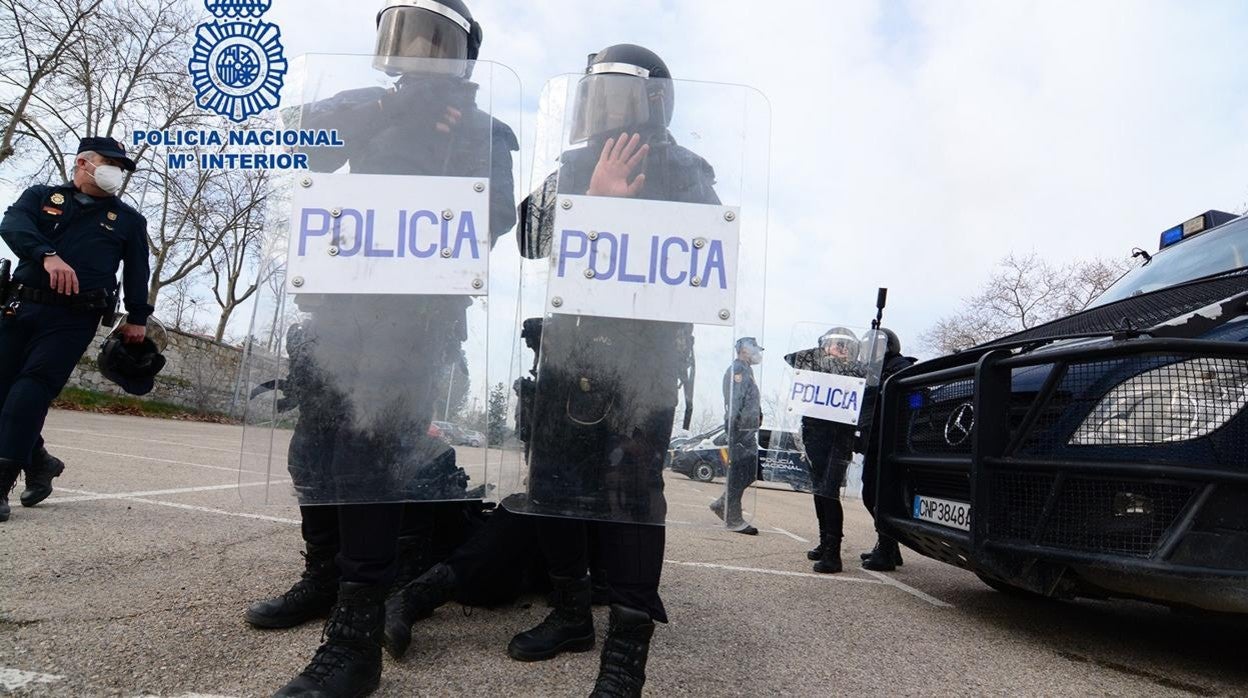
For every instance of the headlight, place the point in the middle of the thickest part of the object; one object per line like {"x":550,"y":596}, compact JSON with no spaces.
{"x":1179,"y":402}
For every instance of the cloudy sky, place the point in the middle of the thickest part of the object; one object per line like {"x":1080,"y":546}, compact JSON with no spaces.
{"x":916,"y":143}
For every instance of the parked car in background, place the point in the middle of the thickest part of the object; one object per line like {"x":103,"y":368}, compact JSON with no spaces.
{"x":704,"y":457}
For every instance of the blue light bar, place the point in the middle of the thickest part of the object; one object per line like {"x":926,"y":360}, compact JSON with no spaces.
{"x":1172,"y":236}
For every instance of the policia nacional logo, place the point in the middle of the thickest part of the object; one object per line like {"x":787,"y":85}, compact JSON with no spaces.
{"x":238,"y":67}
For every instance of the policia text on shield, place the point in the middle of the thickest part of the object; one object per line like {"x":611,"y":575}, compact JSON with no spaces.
{"x":70,"y":240}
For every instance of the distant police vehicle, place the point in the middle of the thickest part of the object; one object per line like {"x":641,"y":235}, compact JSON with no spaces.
{"x":704,"y":457}
{"x":1104,"y":454}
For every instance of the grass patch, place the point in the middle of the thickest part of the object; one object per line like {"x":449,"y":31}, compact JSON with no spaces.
{"x":79,"y":400}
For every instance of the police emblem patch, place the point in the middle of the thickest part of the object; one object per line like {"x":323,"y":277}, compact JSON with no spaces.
{"x":112,"y":215}
{"x":238,"y":68}
{"x":58,"y":199}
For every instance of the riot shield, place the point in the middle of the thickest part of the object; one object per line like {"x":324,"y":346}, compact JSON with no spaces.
{"x":366,"y":373}
{"x":831,"y":378}
{"x":644,"y":261}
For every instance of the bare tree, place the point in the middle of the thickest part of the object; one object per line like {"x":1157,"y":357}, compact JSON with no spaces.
{"x":35,"y":39}
{"x":241,"y":215}
{"x":1023,"y":292}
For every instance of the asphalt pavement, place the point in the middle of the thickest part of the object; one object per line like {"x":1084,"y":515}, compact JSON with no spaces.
{"x":131,"y":581}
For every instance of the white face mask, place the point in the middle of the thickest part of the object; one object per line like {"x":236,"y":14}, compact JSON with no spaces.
{"x":110,"y":178}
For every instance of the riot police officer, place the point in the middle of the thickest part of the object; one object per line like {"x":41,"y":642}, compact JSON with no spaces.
{"x":608,"y":387}
{"x":362,"y":437}
{"x":70,"y":240}
{"x":829,"y":445}
{"x":886,"y":556}
{"x":743,"y":416}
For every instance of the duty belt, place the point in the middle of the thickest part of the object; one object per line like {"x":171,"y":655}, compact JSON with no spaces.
{"x":98,"y":299}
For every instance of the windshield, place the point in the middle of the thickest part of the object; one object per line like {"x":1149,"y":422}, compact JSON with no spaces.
{"x":1215,"y":252}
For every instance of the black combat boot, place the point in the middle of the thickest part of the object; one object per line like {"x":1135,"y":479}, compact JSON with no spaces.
{"x":568,"y":628}
{"x":885,"y":558}
{"x":39,"y":474}
{"x":622,"y":672}
{"x":310,"y":598}
{"x":9,"y":470}
{"x":348,"y":663}
{"x":414,"y":602}
{"x":815,"y":553}
{"x":830,"y":562}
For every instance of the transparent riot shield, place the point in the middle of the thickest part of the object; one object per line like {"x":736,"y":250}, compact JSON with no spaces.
{"x":644,"y":260}
{"x":366,"y":375}
{"x":831,"y":380}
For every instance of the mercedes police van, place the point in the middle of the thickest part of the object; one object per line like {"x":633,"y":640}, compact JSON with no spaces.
{"x":1104,"y":454}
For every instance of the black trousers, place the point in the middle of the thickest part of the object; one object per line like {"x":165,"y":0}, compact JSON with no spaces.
{"x":39,"y":348}
{"x":831,"y":517}
{"x":870,"y":480}
{"x":631,"y":556}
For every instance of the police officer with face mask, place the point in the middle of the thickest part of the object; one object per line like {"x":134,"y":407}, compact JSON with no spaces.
{"x":70,"y":240}
{"x":361,"y":445}
{"x":743,"y":416}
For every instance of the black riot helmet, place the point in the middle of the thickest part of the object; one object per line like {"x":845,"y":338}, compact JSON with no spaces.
{"x":134,"y":367}
{"x":626,"y":88}
{"x":409,"y":30}
{"x":894,"y":342}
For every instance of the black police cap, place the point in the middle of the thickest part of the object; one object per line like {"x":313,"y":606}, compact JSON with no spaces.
{"x":109,"y":148}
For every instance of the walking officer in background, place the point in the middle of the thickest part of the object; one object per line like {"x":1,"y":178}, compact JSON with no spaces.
{"x":743,"y":416}
{"x":70,"y":241}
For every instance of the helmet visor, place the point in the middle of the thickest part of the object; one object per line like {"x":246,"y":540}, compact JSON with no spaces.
{"x":608,"y":104}
{"x":407,"y":33}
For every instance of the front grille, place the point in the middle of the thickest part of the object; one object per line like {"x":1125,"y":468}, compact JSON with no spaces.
{"x":1115,"y":516}
{"x":941,"y":484}
{"x":1093,"y":515}
{"x":1016,"y":503}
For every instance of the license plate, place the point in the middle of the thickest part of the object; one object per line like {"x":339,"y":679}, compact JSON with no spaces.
{"x":943,"y":512}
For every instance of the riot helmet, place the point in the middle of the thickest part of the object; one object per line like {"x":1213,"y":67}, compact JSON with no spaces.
{"x":411,"y":30}
{"x":894,"y":342}
{"x":840,"y":342}
{"x":626,"y":88}
{"x":134,"y":367}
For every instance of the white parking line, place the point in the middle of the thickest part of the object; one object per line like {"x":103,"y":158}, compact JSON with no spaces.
{"x":185,"y":507}
{"x":155,"y":460}
{"x":794,"y":536}
{"x":15,"y":679}
{"x":84,"y":496}
{"x":777,"y":573}
{"x":127,"y":437}
{"x":885,"y":579}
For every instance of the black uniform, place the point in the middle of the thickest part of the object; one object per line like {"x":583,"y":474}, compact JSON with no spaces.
{"x":893,"y":364}
{"x":606,"y":402}
{"x":743,"y":415}
{"x":385,"y":446}
{"x":43,"y":334}
{"x":829,"y":445}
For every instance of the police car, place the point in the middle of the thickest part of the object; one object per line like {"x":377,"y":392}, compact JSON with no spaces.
{"x":1104,"y":454}
{"x":704,"y":457}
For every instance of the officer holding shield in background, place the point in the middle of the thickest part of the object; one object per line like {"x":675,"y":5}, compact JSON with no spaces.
{"x":70,"y":241}
{"x":366,"y":369}
{"x":886,"y":555}
{"x":829,"y":445}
